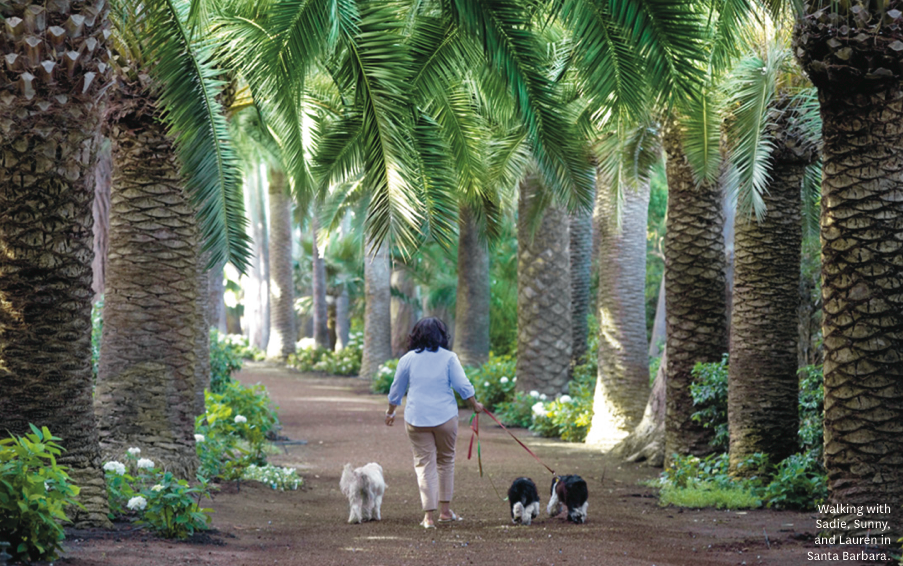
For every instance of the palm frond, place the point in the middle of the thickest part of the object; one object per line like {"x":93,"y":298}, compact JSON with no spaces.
{"x":188,"y":88}
{"x":752,"y":92}
{"x":503,"y":29}
{"x":701,"y":127}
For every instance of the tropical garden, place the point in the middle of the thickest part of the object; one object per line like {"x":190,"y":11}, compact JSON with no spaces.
{"x":670,"y":230}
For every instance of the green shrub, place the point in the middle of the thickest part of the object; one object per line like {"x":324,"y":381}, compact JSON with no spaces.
{"x":812,"y":400}
{"x":384,"y":377}
{"x":346,"y":361}
{"x":518,"y":412}
{"x":799,"y":482}
{"x":709,"y":392}
{"x":241,"y":346}
{"x":225,"y":358}
{"x":494,"y":381}
{"x":734,"y":497}
{"x":568,"y":417}
{"x":282,"y":479}
{"x":232,"y":433}
{"x":168,"y":506}
{"x":34,"y":492}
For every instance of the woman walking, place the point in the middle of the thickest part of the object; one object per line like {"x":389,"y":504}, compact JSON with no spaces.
{"x":428,"y":373}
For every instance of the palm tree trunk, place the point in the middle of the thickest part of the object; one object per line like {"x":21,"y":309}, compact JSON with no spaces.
{"x":862,"y":261}
{"x":342,"y":319}
{"x":202,"y":334}
{"x":282,"y":338}
{"x":646,"y":443}
{"x":472,"y":297}
{"x":377,"y":318}
{"x":320,"y":314}
{"x":48,"y":147}
{"x":101,"y":211}
{"x":216,"y":304}
{"x":694,"y":294}
{"x":146,"y":382}
{"x":402,"y":312}
{"x":544,"y":332}
{"x":581,"y":264}
{"x":763,"y":398}
{"x":622,"y":385}
{"x":256,"y":317}
{"x":657,"y":340}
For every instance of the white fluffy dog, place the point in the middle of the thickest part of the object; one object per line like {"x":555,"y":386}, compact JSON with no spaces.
{"x":364,"y":488}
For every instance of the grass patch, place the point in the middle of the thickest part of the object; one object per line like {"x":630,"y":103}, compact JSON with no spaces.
{"x":702,"y":496}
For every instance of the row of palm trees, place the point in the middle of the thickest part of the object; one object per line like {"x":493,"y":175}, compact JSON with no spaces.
{"x":418,"y":110}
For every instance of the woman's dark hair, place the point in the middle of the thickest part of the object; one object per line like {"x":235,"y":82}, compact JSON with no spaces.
{"x":428,"y":334}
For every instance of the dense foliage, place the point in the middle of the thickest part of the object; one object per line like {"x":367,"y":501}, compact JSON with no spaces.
{"x":346,"y":361}
{"x":709,"y":392}
{"x":34,"y":493}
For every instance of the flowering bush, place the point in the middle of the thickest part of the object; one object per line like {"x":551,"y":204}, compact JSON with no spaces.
{"x":34,"y":492}
{"x":382,"y":381}
{"x":169,"y":506}
{"x":346,"y":361}
{"x":278,"y":478}
{"x":225,"y":358}
{"x":494,"y":381}
{"x":569,"y":416}
{"x":518,"y":412}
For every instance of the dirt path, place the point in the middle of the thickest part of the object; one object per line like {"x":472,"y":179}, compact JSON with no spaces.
{"x":343,"y":423}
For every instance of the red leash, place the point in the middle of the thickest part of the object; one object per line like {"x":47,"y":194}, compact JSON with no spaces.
{"x":475,"y":427}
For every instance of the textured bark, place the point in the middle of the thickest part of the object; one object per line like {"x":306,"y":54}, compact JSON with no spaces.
{"x":763,"y":403}
{"x":202,"y":332}
{"x":862,"y":257}
{"x":101,"y":210}
{"x":320,"y":316}
{"x":377,"y":318}
{"x":282,"y":333}
{"x":49,"y":123}
{"x":401,"y":310}
{"x":147,"y":378}
{"x":622,"y":384}
{"x":646,"y":443}
{"x":657,"y":340}
{"x":342,"y":319}
{"x":694,"y":294}
{"x":472,"y":297}
{"x":544,"y":331}
{"x":581,"y":263}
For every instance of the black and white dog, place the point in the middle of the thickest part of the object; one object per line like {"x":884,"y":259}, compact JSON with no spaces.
{"x":570,"y":490}
{"x":524,"y":500}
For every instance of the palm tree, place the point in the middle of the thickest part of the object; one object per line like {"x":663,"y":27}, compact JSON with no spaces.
{"x":543,"y":292}
{"x":581,"y":251}
{"x":472,"y":304}
{"x":773,"y":142}
{"x":282,"y":287}
{"x":50,"y":121}
{"x":850,"y":52}
{"x":318,"y":288}
{"x":377,"y":317}
{"x":401,"y":308}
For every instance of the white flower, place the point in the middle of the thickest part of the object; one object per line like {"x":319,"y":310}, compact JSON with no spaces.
{"x":117,"y":468}
{"x":47,"y":486}
{"x":504,"y":380}
{"x":514,"y":379}
{"x":534,"y":394}
{"x":485,"y":384}
{"x":565,"y":399}
{"x":539,"y":410}
{"x":543,"y":397}
{"x":157,"y":487}
{"x":134,"y":451}
{"x":240,"y":419}
{"x":145,"y":464}
{"x":199,"y":438}
{"x":137,"y":503}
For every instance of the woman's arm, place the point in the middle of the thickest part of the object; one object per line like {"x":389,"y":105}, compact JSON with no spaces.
{"x":475,"y":405}
{"x":397,"y":390}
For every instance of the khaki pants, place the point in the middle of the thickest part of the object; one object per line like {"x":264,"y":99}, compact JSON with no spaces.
{"x":434,"y":461}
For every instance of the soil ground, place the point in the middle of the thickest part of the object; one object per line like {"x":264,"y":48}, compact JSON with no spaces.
{"x":342,"y":422}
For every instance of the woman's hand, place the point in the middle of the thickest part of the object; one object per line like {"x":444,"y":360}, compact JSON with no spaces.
{"x":390,"y":419}
{"x":477,"y":406}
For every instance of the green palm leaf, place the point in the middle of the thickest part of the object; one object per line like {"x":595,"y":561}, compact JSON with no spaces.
{"x":188,"y":77}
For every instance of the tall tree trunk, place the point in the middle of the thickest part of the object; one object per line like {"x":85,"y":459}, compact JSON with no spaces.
{"x":283,"y":335}
{"x":581,"y":262}
{"x":216,"y":304}
{"x":657,"y":340}
{"x":861,"y":103}
{"x":101,"y":211}
{"x":544,"y":331}
{"x":202,"y":334}
{"x":320,"y":314}
{"x":622,"y":384}
{"x":256,"y":317}
{"x":443,"y":313}
{"x":147,"y":379}
{"x":377,"y":318}
{"x":342,"y":320}
{"x":646,"y":443}
{"x":763,"y":387}
{"x":401,"y":310}
{"x":694,"y":294}
{"x":50,"y":135}
{"x":472,"y":296}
